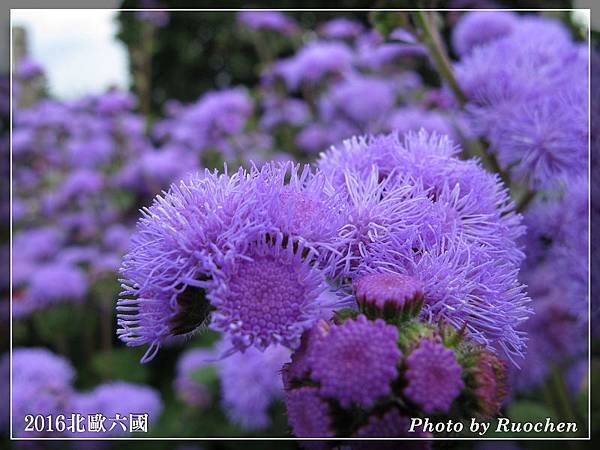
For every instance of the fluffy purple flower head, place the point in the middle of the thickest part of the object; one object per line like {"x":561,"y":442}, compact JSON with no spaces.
{"x":299,"y":203}
{"x":267,"y":294}
{"x":478,"y":28}
{"x":545,"y":139}
{"x":313,"y":63}
{"x":121,"y":398}
{"x":308,"y":414}
{"x":171,"y":257}
{"x":209,"y":121}
{"x":50,"y":284}
{"x":250,"y":382}
{"x":37,"y":243}
{"x":359,"y":100}
{"x":434,"y":376}
{"x":356,"y":362}
{"x":268,"y":20}
{"x":41,"y":384}
{"x":455,"y":230}
{"x":189,"y":390}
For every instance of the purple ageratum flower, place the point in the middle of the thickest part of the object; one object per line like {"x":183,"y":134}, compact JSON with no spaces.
{"x":158,"y":169}
{"x":454,"y":231}
{"x":51,"y":284}
{"x":466,"y":199}
{"x":268,"y":294}
{"x":37,"y":243}
{"x":268,"y":20}
{"x":341,"y":28}
{"x":210,"y":121}
{"x":314,"y":62}
{"x":361,"y":101}
{"x":171,"y":257}
{"x":250,"y":382}
{"x":376,"y":210}
{"x":308,"y":414}
{"x":434,"y":376}
{"x":478,"y":28}
{"x":189,"y":390}
{"x":356,"y":362}
{"x":549,"y":140}
{"x":318,"y":136}
{"x":41,"y":384}
{"x":280,"y":111}
{"x":299,"y":203}
{"x":120,"y":398}
{"x":542,"y":82}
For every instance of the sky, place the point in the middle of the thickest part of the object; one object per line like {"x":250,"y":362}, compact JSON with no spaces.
{"x":77,"y":48}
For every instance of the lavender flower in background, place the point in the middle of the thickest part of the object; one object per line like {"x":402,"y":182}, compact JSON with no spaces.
{"x":313,"y":63}
{"x":480,"y":28}
{"x":532,"y":110}
{"x":41,"y":384}
{"x":189,"y":390}
{"x":251,"y":382}
{"x":52,"y":284}
{"x":119,"y":398}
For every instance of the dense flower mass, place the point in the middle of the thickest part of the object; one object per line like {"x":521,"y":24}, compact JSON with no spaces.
{"x":41,"y":384}
{"x":345,"y":231}
{"x":532,"y":107}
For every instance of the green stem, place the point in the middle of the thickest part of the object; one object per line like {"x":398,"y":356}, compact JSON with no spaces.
{"x":431,"y":38}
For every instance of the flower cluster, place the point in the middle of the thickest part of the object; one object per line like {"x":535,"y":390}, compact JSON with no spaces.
{"x":253,"y":252}
{"x":366,"y":377}
{"x":532,"y":107}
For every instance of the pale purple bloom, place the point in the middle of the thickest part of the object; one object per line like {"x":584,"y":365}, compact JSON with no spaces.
{"x":313,"y":63}
{"x":478,"y":28}
{"x":41,"y":384}
{"x":51,"y":284}
{"x":187,"y":388}
{"x":362,"y":101}
{"x":120,"y":398}
{"x":251,"y":382}
{"x":416,"y":209}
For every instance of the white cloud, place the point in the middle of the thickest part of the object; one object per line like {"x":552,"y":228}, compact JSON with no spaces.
{"x":77,"y":48}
